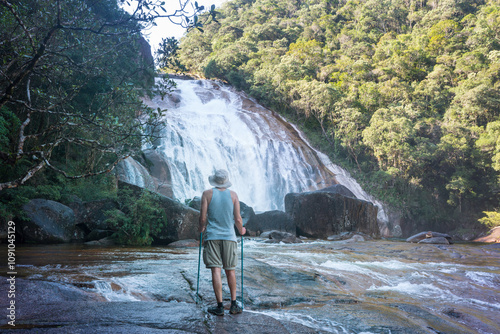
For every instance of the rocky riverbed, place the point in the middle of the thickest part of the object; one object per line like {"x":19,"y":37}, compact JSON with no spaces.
{"x":312,"y":287}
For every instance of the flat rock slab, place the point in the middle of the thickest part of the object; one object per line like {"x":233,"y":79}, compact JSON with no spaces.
{"x":47,"y":307}
{"x":143,"y":317}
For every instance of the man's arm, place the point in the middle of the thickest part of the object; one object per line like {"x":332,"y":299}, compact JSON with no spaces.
{"x":238,"y":221}
{"x":203,"y":211}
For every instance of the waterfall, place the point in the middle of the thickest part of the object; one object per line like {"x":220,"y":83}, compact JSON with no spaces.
{"x":210,"y":126}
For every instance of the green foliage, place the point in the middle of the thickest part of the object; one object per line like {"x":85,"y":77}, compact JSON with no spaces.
{"x":137,"y":218}
{"x":491,"y":220}
{"x":403,"y":93}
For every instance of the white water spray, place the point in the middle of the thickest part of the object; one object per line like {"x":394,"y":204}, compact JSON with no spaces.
{"x":209,"y":126}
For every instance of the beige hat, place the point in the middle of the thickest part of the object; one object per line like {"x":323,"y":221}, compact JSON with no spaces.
{"x":220,"y":179}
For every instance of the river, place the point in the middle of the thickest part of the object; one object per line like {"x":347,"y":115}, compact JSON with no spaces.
{"x":383,"y":286}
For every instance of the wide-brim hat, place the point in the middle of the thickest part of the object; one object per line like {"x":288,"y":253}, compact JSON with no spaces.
{"x":220,"y":179}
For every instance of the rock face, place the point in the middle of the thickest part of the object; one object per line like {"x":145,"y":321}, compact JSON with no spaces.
{"x":160,"y":172}
{"x":49,"y":222}
{"x":246,"y":212}
{"x":271,"y":221}
{"x":182,"y":221}
{"x":321,"y":213}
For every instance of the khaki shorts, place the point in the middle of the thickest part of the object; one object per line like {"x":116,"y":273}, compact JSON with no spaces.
{"x":220,"y":254}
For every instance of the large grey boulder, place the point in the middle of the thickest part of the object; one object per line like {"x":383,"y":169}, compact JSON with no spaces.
{"x":49,"y":222}
{"x":428,"y":235}
{"x":92,"y":215}
{"x":182,"y":221}
{"x":284,"y":237}
{"x":319,"y":214}
{"x":271,"y":221}
{"x":159,"y":170}
{"x":246,"y":212}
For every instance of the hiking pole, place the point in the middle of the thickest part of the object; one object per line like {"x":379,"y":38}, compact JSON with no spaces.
{"x":242,"y":306}
{"x":199,"y":259}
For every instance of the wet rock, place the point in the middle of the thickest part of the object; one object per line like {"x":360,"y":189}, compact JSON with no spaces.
{"x":278,"y":236}
{"x":195,"y":203}
{"x":271,"y":221}
{"x":185,"y":243}
{"x":429,"y":234}
{"x":319,"y":214}
{"x":49,"y":222}
{"x":98,"y":235}
{"x":341,"y":236}
{"x":108,"y":241}
{"x":356,"y":238}
{"x":339,"y":189}
{"x":133,"y":172}
{"x":92,"y":215}
{"x":492,"y":236}
{"x":246,"y":212}
{"x":182,"y":221}
{"x":159,"y":170}
{"x":435,"y":240}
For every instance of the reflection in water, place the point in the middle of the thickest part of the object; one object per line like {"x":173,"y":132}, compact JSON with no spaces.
{"x":329,"y":286}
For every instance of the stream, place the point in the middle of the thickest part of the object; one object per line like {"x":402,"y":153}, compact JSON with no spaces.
{"x":382,"y":286}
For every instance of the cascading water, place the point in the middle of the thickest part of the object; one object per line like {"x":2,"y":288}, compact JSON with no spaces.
{"x":210,"y":126}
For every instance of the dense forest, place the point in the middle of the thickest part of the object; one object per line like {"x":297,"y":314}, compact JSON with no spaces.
{"x":73,"y":75}
{"x":403,"y":93}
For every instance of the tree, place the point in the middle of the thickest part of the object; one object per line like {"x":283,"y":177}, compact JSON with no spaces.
{"x":71,"y":82}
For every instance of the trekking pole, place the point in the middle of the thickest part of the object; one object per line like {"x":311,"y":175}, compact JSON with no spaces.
{"x":242,"y":306}
{"x":199,"y":259}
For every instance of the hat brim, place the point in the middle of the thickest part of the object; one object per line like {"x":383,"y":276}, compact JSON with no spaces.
{"x":227,"y":184}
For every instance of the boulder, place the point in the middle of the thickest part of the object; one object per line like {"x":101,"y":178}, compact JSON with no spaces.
{"x":427,"y":235}
{"x":108,"y":241}
{"x":269,"y":221}
{"x":319,"y":214}
{"x":98,"y":235}
{"x":246,"y":212}
{"x":492,"y":236}
{"x":159,"y":170}
{"x":339,"y":189}
{"x":185,"y":243}
{"x":49,"y":222}
{"x":355,"y":238}
{"x":341,"y":236}
{"x":182,"y":221}
{"x":195,"y":203}
{"x":91,"y":215}
{"x":435,"y":240}
{"x":285,"y":237}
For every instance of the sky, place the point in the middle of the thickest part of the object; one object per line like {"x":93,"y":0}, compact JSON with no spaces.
{"x":165,"y":28}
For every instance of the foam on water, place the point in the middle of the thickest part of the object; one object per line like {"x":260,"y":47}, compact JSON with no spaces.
{"x":307,"y":321}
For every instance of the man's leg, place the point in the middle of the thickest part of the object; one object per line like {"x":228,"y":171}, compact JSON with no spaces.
{"x":231,"y":282}
{"x":217,"y":283}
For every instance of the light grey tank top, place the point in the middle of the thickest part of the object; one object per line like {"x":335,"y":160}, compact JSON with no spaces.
{"x":220,"y":216}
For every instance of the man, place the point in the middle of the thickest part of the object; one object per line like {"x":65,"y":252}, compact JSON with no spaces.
{"x":220,"y":210}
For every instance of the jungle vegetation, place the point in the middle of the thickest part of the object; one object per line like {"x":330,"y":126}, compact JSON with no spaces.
{"x":72,"y":77}
{"x":403,"y":93}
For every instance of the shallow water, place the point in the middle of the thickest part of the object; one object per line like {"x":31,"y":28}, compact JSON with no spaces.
{"x":337,"y":287}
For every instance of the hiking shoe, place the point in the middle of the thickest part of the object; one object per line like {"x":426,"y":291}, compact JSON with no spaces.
{"x":235,"y":309}
{"x":216,"y":310}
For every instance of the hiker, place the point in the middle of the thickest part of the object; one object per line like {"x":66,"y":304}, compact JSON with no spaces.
{"x":220,"y":210}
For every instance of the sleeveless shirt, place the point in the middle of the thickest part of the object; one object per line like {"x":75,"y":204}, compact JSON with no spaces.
{"x":220,"y":216}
